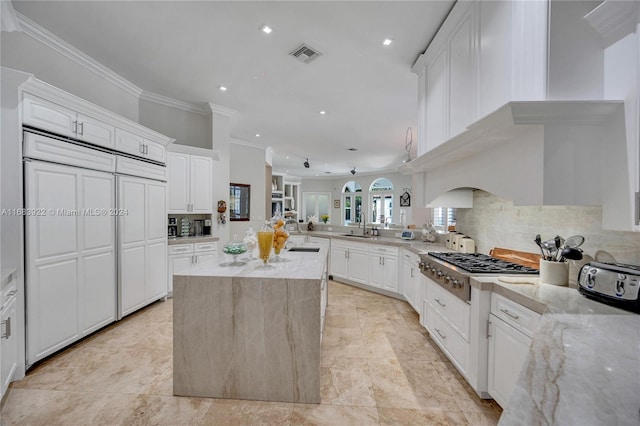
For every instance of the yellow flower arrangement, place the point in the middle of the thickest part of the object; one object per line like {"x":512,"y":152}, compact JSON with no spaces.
{"x":325,"y":218}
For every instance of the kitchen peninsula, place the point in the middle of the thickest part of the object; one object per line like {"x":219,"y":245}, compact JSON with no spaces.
{"x":242,"y":330}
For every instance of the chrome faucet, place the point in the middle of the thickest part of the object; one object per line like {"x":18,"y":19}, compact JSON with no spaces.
{"x":363,"y":221}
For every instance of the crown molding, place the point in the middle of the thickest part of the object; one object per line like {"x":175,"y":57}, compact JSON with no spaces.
{"x":54,"y":42}
{"x":242,"y":142}
{"x":614,"y":19}
{"x":174,"y":103}
{"x":222,"y":110}
{"x":8,"y":16}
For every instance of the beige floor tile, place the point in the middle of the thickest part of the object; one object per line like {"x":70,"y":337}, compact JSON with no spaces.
{"x":157,"y":410}
{"x":333,"y":415}
{"x":431,"y":417}
{"x":19,"y":403}
{"x":238,"y":413}
{"x":347,"y":383}
{"x":391,"y":387}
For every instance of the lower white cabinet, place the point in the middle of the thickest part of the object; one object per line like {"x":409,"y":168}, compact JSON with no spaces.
{"x":383,"y":267}
{"x":142,"y":242}
{"x":510,"y":329}
{"x":411,"y":288}
{"x":350,"y":261}
{"x":184,"y":257}
{"x":8,"y":335}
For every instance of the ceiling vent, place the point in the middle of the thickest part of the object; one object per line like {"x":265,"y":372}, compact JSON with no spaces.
{"x":305,"y":53}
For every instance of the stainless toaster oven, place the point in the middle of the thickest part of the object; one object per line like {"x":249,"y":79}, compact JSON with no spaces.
{"x":613,"y":283}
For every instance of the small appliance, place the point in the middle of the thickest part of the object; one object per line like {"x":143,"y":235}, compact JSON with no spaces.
{"x":407,"y":235}
{"x":615,"y":284}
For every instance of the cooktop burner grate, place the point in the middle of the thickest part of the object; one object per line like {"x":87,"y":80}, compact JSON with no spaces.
{"x":482,"y":264}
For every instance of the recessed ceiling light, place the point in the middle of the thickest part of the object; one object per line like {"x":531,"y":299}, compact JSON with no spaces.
{"x":352,"y":149}
{"x":287,"y":157}
{"x":323,"y":112}
{"x":222,"y":88}
{"x":266,"y":29}
{"x":387,"y":41}
{"x":257,"y":135}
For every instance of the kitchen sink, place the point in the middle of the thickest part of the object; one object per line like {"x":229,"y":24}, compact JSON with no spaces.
{"x":306,"y":249}
{"x":356,"y":235}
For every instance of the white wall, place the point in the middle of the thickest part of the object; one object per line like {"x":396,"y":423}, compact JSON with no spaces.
{"x":187,"y":128}
{"x":21,"y":52}
{"x":249,"y":168}
{"x":335,"y":186}
{"x":221,"y":171}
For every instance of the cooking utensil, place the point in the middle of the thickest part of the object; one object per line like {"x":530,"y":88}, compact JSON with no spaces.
{"x":574,"y":241}
{"x":550,"y":247}
{"x":538,"y":241}
{"x":570,"y":253}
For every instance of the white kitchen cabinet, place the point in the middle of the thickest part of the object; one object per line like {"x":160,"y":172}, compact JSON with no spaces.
{"x":508,"y":350}
{"x":350,"y":260}
{"x":411,"y":280}
{"x":437,"y":108}
{"x":55,"y":118}
{"x":184,"y":257}
{"x":510,"y":329}
{"x":8,"y":333}
{"x":383,"y":267}
{"x":142,"y":242}
{"x":70,"y":255}
{"x":139,"y":146}
{"x":189,"y":183}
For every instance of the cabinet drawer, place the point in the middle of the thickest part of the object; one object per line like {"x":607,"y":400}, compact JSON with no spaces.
{"x":154,"y":151}
{"x":49,"y":149}
{"x":46,"y":115}
{"x":200,"y":247}
{"x":455,"y":311}
{"x":455,"y":346}
{"x":181,"y":248}
{"x":376,"y":248}
{"x":129,"y":166}
{"x":523,"y":319}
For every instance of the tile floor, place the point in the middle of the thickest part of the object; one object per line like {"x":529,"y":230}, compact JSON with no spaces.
{"x":378,"y":367}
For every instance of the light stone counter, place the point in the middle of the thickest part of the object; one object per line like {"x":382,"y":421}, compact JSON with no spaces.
{"x":584,"y":364}
{"x":416,"y":246}
{"x":246,"y":331}
{"x":189,"y":240}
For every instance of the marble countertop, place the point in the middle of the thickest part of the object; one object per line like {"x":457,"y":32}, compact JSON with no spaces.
{"x":584,"y":363}
{"x":190,"y":240}
{"x":416,"y":246}
{"x":292,"y":265}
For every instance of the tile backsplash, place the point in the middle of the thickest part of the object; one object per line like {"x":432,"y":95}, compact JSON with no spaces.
{"x":493,"y":222}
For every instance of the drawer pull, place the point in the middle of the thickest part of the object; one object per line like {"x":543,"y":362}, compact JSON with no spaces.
{"x":7,"y":329}
{"x":440,"y":303}
{"x":506,"y":312}
{"x":440,"y":334}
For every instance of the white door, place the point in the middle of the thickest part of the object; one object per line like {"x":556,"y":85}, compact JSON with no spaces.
{"x":409,"y":284}
{"x":97,"y":232}
{"x":201,"y":184}
{"x":46,"y":115}
{"x":359,"y":266}
{"x":9,"y":338}
{"x":95,"y":131}
{"x":508,"y":349}
{"x":178,"y":182}
{"x":339,"y":262}
{"x":132,"y":243}
{"x":390,"y":273}
{"x":156,"y":240}
{"x":156,"y":273}
{"x":375,"y":269}
{"x":178,"y":265}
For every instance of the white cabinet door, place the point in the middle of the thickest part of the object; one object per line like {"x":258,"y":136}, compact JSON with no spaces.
{"x":437,"y":107}
{"x":69,"y":255}
{"x":9,"y":339}
{"x":339,"y":261}
{"x":132,"y":279}
{"x":46,"y":115}
{"x":204,"y":259}
{"x":129,"y":143}
{"x":95,"y":131}
{"x":376,"y":276}
{"x":409,"y":284}
{"x":201,"y":184}
{"x":154,"y":151}
{"x":156,"y":273}
{"x":178,"y":182}
{"x":178,"y":265}
{"x":155,"y":211}
{"x":358,"y":266}
{"x":390,"y":273}
{"x":508,"y":349}
{"x":462,"y":74}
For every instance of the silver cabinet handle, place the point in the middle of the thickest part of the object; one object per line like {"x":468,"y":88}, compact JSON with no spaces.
{"x":181,"y":249}
{"x":488,"y":328}
{"x":440,"y":303}
{"x":7,"y":329}
{"x":141,"y":149}
{"x":81,"y":125}
{"x":506,"y":312}
{"x":411,"y":273}
{"x":440,"y":334}
{"x":75,"y":127}
{"x":383,"y":261}
{"x":146,"y":149}
{"x":12,"y":293}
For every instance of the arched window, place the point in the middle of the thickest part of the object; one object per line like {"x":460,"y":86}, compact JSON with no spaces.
{"x":351,"y":202}
{"x":381,"y":198}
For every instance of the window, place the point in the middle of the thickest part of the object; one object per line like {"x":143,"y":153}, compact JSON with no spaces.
{"x":381,"y":196}
{"x":315,"y":203}
{"x":351,"y":202}
{"x":239,"y":201}
{"x":443,"y":217}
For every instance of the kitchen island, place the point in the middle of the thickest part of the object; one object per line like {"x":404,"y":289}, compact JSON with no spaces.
{"x":242,"y":330}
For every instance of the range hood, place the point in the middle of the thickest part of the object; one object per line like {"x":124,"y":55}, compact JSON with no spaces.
{"x":539,"y":153}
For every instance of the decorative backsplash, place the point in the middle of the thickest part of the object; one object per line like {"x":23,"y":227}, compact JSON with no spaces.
{"x":493,"y":222}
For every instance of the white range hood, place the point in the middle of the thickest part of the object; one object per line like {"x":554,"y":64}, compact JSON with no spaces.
{"x":539,"y":153}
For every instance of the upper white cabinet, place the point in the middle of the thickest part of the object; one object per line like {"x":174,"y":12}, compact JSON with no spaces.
{"x":189,"y":183}
{"x":55,"y":118}
{"x":48,"y":108}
